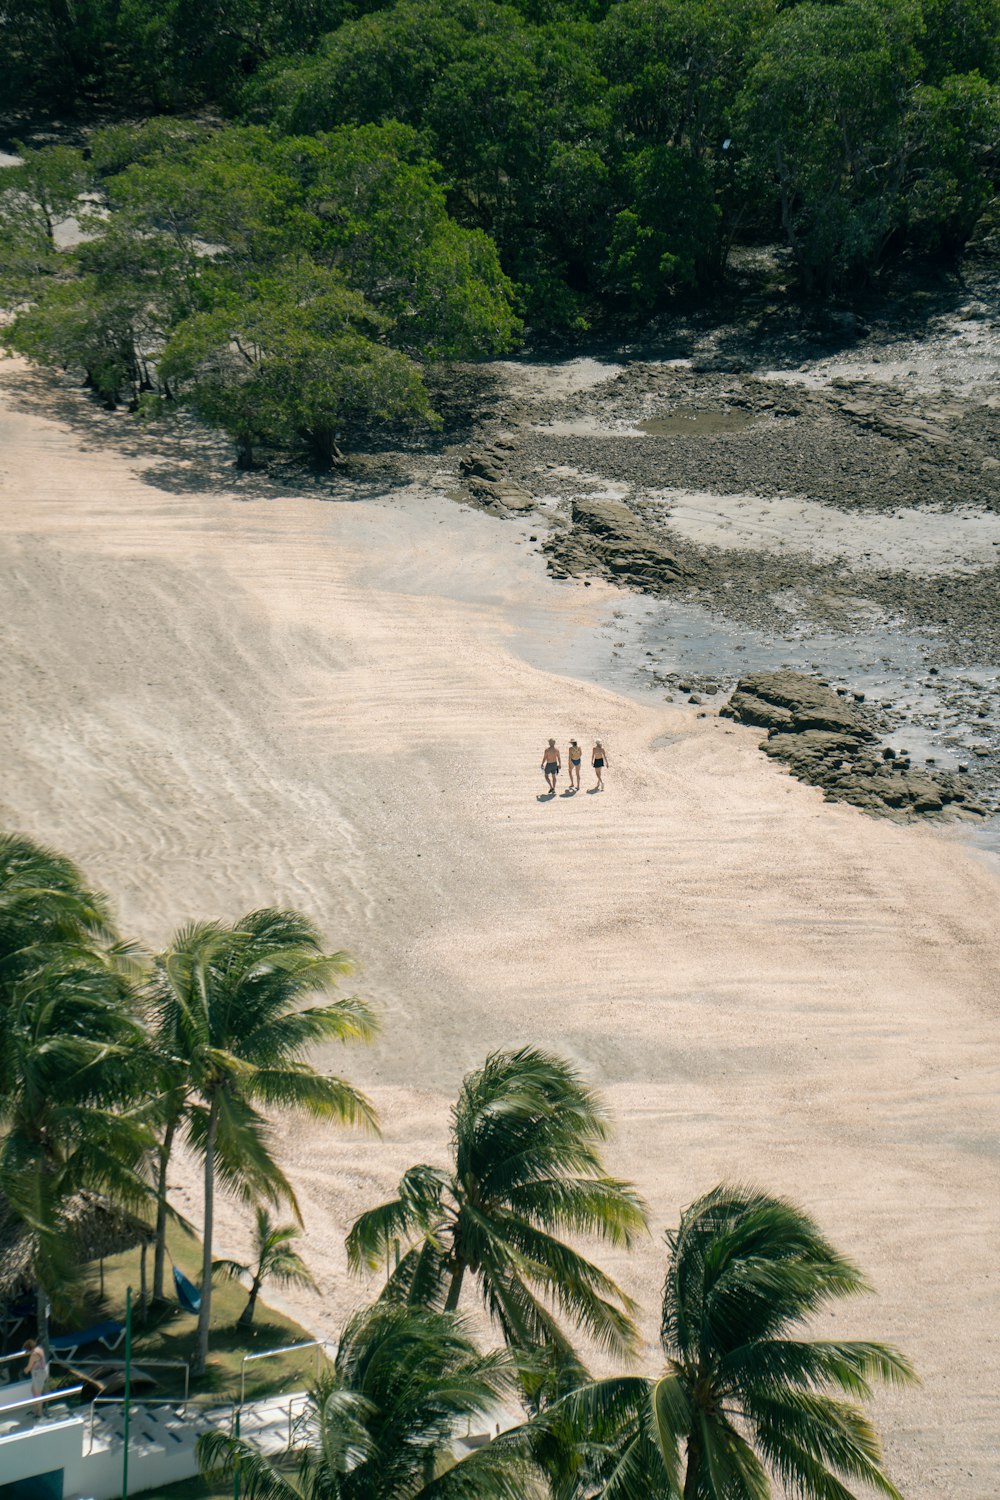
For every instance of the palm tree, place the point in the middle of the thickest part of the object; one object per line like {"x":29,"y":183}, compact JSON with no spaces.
{"x":526,"y":1133}
{"x":226,"y":1019}
{"x":404,"y":1387}
{"x":45,"y":907}
{"x":70,"y":1051}
{"x":277,"y":1260}
{"x":744,"y":1394}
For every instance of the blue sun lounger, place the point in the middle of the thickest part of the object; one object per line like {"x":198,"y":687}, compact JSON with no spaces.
{"x":108,"y":1333}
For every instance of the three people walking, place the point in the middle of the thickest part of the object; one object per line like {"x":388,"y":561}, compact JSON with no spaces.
{"x":552,"y":765}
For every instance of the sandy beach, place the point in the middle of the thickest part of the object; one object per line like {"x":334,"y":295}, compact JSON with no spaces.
{"x":217,"y":695}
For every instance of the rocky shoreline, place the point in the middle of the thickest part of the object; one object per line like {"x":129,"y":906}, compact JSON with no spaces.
{"x":825,"y":741}
{"x":854,"y":493}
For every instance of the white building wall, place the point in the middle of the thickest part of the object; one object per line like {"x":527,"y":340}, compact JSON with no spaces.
{"x":40,"y":1450}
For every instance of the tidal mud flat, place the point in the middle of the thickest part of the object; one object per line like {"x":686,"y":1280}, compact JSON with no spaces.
{"x":824,"y":499}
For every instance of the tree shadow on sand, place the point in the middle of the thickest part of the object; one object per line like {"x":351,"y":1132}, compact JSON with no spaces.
{"x":180,"y":455}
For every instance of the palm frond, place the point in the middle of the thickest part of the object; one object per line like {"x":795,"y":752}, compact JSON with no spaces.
{"x":419,"y":1279}
{"x":604,"y":1206}
{"x":223,"y":1457}
{"x":673,"y":1420}
{"x":811,"y":1364}
{"x":745,"y":1266}
{"x":416,"y":1211}
{"x":584,"y":1292}
{"x":298,"y":1086}
{"x":733,"y":1470}
{"x":234,"y":1270}
{"x":809,"y":1430}
{"x":494,"y":1472}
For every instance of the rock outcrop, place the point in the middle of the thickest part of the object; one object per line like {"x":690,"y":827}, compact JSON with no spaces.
{"x":826,"y":742}
{"x":487,"y":480}
{"x":608,"y":541}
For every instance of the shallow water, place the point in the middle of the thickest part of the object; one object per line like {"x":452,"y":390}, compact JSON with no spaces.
{"x":689,"y":422}
{"x":643,"y":641}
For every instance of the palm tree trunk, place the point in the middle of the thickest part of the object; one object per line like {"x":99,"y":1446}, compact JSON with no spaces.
{"x":246,"y":1316}
{"x":205,"y":1311}
{"x":455,"y":1290}
{"x":693,"y":1472}
{"x":42,"y":1318}
{"x":160,"y":1255}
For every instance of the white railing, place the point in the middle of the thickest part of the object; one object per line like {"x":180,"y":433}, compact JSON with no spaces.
{"x":226,"y":1414}
{"x":36,"y":1401}
{"x":318,"y":1344}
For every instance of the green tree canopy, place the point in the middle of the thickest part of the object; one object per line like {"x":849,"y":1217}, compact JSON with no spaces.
{"x":46,"y":908}
{"x":405,"y":1384}
{"x":275,"y":1259}
{"x":526,"y":1136}
{"x":292,"y":290}
{"x":230,"y":1030}
{"x":745,"y":1393}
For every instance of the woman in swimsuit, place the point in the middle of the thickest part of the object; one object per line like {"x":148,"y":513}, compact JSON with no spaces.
{"x":574,"y":755}
{"x":37,"y":1371}
{"x":598,"y":760}
{"x":551,"y":764}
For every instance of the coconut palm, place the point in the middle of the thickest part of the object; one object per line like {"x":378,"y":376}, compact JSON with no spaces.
{"x":745,"y":1395}
{"x":70,"y":1051}
{"x":276,"y":1260}
{"x":526,"y":1133}
{"x":230,"y":1034}
{"x":405,"y":1385}
{"x":44,"y":907}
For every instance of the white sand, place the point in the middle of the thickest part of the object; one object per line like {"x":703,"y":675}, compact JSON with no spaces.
{"x":216,"y":702}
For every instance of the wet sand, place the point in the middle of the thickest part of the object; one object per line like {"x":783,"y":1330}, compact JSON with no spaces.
{"x":215,"y":701}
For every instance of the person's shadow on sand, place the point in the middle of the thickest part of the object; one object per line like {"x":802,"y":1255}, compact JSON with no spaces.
{"x":570,"y":791}
{"x":545,"y":796}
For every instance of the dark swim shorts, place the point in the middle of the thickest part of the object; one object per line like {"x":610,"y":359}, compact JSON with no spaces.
{"x":598,"y":765}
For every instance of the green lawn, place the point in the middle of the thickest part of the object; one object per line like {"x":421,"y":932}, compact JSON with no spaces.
{"x":167,"y":1332}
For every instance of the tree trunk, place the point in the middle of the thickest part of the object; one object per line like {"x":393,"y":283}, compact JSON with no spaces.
{"x":455,"y":1290}
{"x":160,"y":1254}
{"x":693,"y":1472}
{"x":205,"y":1311}
{"x":246,"y":1316}
{"x":42,"y":1318}
{"x":244,"y":451}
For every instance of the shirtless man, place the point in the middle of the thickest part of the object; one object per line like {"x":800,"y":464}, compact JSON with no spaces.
{"x":551,"y":764}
